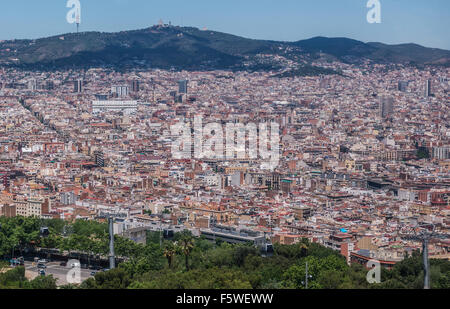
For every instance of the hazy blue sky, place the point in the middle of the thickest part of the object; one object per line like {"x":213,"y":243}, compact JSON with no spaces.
{"x":426,"y":22}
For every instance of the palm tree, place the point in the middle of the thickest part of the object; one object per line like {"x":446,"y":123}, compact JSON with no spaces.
{"x":304,"y":247}
{"x":169,"y":252}
{"x":186,"y":245}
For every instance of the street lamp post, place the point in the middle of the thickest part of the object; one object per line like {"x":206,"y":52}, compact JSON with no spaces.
{"x":160,"y":233}
{"x":112,"y":258}
{"x":425,"y":234}
{"x":426,"y":264}
{"x":306,"y":275}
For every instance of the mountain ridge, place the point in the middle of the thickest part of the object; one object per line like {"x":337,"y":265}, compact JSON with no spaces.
{"x":190,"y":48}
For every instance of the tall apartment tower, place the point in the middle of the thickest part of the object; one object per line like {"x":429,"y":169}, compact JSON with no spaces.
{"x":135,"y":86}
{"x":402,"y":85}
{"x":386,"y":107}
{"x":99,"y":158}
{"x":428,"y":90}
{"x":78,"y":86}
{"x":121,"y":91}
{"x":32,"y":85}
{"x":50,"y":85}
{"x":183,"y":86}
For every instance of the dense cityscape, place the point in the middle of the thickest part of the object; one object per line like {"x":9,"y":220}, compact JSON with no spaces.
{"x":365,"y":156}
{"x":273,"y":171}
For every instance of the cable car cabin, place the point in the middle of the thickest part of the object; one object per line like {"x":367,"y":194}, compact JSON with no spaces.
{"x":168,"y":234}
{"x":267,"y":250}
{"x":44,"y":231}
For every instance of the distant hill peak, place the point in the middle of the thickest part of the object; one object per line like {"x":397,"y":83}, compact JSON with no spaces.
{"x":169,"y":46}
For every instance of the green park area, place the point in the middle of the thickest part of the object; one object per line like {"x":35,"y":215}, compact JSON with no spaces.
{"x":188,"y":262}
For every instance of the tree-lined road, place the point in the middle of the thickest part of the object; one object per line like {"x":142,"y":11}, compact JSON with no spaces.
{"x":58,"y":272}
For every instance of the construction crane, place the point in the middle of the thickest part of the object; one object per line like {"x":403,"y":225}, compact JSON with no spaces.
{"x":424,"y":233}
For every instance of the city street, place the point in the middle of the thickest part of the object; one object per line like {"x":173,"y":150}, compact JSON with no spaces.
{"x":58,"y":272}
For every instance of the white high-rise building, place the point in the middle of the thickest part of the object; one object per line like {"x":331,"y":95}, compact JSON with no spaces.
{"x":441,"y":153}
{"x":122,"y":91}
